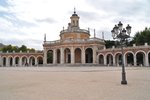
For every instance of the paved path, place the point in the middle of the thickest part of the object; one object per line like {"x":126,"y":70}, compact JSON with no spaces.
{"x":73,"y":83}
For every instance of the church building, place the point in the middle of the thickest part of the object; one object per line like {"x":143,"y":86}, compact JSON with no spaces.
{"x":74,"y":47}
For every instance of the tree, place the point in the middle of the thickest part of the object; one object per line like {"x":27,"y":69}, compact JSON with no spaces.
{"x":7,"y":48}
{"x":11,"y":48}
{"x":23,"y":48}
{"x":142,"y":37}
{"x":110,"y":43}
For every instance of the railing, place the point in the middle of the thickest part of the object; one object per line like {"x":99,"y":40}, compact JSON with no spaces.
{"x":75,"y":30}
{"x":129,"y":47}
{"x":90,"y":40}
{"x":20,"y":52}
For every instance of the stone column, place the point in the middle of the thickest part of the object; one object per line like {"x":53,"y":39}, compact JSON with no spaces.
{"x":36,"y":61}
{"x":146,"y":60}
{"x":45,"y":57}
{"x":62,"y":56}
{"x":29,"y":61}
{"x":105,"y":61}
{"x":54,"y":56}
{"x":83,"y":55}
{"x":72,"y":55}
{"x":20,"y":61}
{"x":7,"y":61}
{"x":114,"y":61}
{"x":135,"y":64}
{"x":13,"y":64}
{"x":94,"y":54}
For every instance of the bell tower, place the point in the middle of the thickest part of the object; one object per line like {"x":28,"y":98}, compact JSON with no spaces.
{"x":74,"y":20}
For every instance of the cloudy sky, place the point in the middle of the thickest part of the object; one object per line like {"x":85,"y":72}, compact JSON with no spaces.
{"x":26,"y":21}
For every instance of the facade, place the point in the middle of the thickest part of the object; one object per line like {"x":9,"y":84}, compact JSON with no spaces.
{"x":75,"y":47}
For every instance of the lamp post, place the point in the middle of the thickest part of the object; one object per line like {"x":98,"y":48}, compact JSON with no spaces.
{"x":122,"y":35}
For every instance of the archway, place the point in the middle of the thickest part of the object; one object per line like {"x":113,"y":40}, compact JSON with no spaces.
{"x":32,"y":61}
{"x":77,"y":55}
{"x":67,"y":55}
{"x":140,"y":58}
{"x":58,"y":56}
{"x":4,"y":61}
{"x":39,"y":60}
{"x":101,"y":59}
{"x":118,"y":59}
{"x":109,"y":58}
{"x":10,"y":61}
{"x":24,"y":61}
{"x":89,"y":55}
{"x":49,"y":56}
{"x":16,"y":61}
{"x":129,"y":58}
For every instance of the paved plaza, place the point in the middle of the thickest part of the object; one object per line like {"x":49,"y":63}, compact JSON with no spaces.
{"x":73,"y":83}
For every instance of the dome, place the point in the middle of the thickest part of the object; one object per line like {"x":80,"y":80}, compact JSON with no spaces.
{"x":74,"y":14}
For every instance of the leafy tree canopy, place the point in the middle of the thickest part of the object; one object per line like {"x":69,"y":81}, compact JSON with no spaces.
{"x":142,"y":37}
{"x":11,"y":48}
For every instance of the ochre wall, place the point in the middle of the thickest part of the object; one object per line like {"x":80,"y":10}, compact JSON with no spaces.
{"x":75,"y":35}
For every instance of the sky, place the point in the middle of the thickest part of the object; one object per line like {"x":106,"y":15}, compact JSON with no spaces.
{"x":24,"y":22}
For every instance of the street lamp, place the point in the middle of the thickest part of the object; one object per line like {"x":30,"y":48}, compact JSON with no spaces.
{"x":122,"y":35}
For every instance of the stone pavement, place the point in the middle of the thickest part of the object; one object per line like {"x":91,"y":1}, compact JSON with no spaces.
{"x":73,"y":83}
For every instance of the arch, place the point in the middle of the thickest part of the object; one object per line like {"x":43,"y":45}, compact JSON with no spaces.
{"x":101,"y":59}
{"x":17,"y":60}
{"x":24,"y":61}
{"x":140,"y":58}
{"x":49,"y":56}
{"x":89,"y":55}
{"x":67,"y":55}
{"x":129,"y":58}
{"x":109,"y":59}
{"x":4,"y":61}
{"x":118,"y":58}
{"x":10,"y":61}
{"x":58,"y":55}
{"x":77,"y":55}
{"x":32,"y":60}
{"x":39,"y":60}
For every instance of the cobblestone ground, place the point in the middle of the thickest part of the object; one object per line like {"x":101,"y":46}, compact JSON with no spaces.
{"x":73,"y":83}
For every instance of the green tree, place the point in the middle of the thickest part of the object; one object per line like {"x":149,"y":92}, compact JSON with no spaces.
{"x":23,"y":48}
{"x":15,"y":48}
{"x":31,"y":50}
{"x":142,"y":37}
{"x":7,"y":48}
{"x":110,"y":43}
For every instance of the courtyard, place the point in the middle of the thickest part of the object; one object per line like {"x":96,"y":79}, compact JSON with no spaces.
{"x":73,"y":83}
